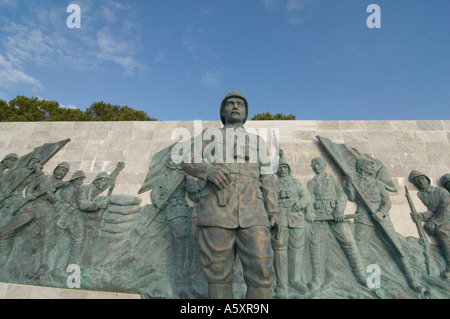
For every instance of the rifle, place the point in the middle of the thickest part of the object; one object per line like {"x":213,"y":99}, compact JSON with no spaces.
{"x":42,"y":163}
{"x":19,"y":204}
{"x":423,"y":236}
{"x":166,"y":199}
{"x":331,"y":218}
{"x":383,"y":228}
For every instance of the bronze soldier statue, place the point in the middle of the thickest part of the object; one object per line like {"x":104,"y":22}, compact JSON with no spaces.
{"x":445,"y":181}
{"x":288,"y":243}
{"x":68,"y":217}
{"x":237,"y":207}
{"x":90,"y":202}
{"x":7,"y":162}
{"x":175,"y":211}
{"x":437,"y":218}
{"x":367,"y":223}
{"x":41,"y":195}
{"x":329,"y":205}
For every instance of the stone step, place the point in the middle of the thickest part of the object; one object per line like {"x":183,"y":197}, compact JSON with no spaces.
{"x":14,"y":291}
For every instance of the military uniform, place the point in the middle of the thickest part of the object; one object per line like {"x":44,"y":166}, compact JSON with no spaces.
{"x":437,"y":201}
{"x":294,"y":202}
{"x":377,"y":196}
{"x":176,"y":213}
{"x":69,"y":218}
{"x":330,"y":201}
{"x":235,"y":220}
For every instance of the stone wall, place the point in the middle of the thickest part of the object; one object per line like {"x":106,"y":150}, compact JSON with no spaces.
{"x":97,"y":146}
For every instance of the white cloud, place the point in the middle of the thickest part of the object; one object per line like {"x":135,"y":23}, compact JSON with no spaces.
{"x":11,"y":76}
{"x":296,"y":11}
{"x":8,"y":3}
{"x":211,"y":79}
{"x":107,"y":36}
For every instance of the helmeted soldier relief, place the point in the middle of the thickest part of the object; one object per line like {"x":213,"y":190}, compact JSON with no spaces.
{"x":445,"y":181}
{"x":329,"y":205}
{"x":237,"y":207}
{"x":68,"y":217}
{"x":41,"y":194}
{"x":7,"y":162}
{"x":175,"y":211}
{"x":90,"y":202}
{"x":437,"y":217}
{"x":289,"y":241}
{"x":367,"y":224}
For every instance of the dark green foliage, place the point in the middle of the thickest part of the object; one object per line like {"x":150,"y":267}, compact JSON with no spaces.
{"x":24,"y":109}
{"x":268,"y":117}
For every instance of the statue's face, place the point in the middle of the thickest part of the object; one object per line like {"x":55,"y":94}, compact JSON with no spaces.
{"x":171,"y":164}
{"x":421,"y":182}
{"x":283,"y":170}
{"x":368,"y":168}
{"x":318,"y":166}
{"x":447,"y":186}
{"x":234,"y":110}
{"x":78,"y":181}
{"x":60,"y":172}
{"x":10,"y":162}
{"x":101,"y":183}
{"x":32,"y":162}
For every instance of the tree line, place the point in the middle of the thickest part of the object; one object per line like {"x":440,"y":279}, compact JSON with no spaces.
{"x":24,"y":109}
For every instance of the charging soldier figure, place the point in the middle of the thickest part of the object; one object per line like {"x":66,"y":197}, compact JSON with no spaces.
{"x":89,"y":201}
{"x":437,"y":218}
{"x":41,"y":192}
{"x":69,"y":218}
{"x":237,"y":207}
{"x":366,"y":223}
{"x":175,"y":211}
{"x":288,"y":244}
{"x":329,"y":203}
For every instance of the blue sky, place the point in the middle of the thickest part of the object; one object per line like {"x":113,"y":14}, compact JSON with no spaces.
{"x":177,"y":59}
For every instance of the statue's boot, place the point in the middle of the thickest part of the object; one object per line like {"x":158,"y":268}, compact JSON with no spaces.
{"x":180,"y":249}
{"x":259,"y":293}
{"x":281,"y":272}
{"x":221,"y":291}
{"x":317,"y":266}
{"x":355,"y":260}
{"x":294,"y":269}
{"x":412,"y":282}
{"x":444,"y":244}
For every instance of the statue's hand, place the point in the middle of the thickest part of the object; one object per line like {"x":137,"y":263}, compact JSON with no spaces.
{"x":430,"y":227}
{"x":219,"y":177}
{"x":310,"y":217}
{"x":339,"y":216}
{"x":378,"y":216}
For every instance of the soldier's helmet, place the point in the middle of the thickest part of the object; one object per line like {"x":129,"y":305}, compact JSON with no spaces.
{"x":101,"y":175}
{"x":78,"y":174}
{"x":230,"y":95}
{"x":10,"y":155}
{"x":360,"y":162}
{"x":445,"y":179}
{"x":415,"y":174}
{"x":64,"y":165}
{"x":283,"y":162}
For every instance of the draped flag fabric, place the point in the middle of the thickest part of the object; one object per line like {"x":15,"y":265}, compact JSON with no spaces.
{"x":345,"y":157}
